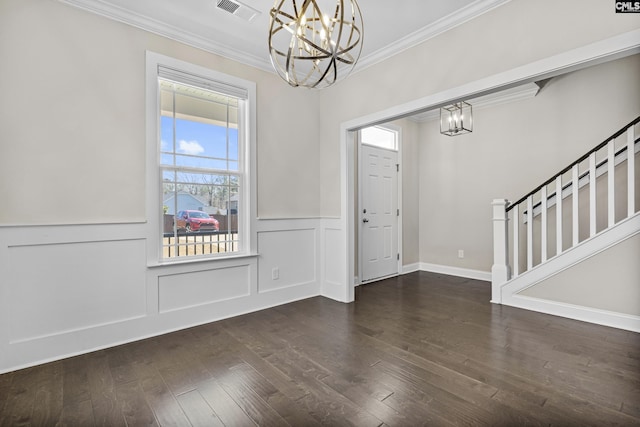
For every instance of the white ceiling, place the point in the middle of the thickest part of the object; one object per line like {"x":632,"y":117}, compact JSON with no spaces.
{"x":389,"y":26}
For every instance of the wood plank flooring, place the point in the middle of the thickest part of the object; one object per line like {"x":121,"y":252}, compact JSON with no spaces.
{"x":420,"y":349}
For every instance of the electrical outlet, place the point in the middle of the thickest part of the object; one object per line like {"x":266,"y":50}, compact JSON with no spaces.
{"x":275,"y":273}
{"x":460,"y":253}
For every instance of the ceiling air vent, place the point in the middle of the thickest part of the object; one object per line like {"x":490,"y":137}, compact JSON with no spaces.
{"x":238,"y":9}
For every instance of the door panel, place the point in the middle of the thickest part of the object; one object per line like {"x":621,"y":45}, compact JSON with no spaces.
{"x":378,"y":213}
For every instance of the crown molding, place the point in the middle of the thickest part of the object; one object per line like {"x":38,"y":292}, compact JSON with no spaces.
{"x":518,"y":93}
{"x":443,"y":25}
{"x":137,"y":20}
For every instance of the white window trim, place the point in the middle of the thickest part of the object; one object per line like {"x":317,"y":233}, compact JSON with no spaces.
{"x":153,"y":188}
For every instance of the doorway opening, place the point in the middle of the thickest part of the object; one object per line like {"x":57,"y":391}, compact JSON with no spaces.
{"x":581,"y":57}
{"x":379,"y":234}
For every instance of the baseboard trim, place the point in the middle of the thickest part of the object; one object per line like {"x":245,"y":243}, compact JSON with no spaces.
{"x":406,"y":269}
{"x":509,"y":294}
{"x":585,"y":314}
{"x":410,"y":268}
{"x":456,"y":271}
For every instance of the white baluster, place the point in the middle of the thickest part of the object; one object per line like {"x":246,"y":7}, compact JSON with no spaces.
{"x":543,"y":224}
{"x":529,"y":232}
{"x":500,"y":268}
{"x":631,"y":171}
{"x":611,"y":190}
{"x":516,"y":240}
{"x":559,"y":215}
{"x":575,"y":189}
{"x":592,"y":194}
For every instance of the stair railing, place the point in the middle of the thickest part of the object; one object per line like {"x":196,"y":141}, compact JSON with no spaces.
{"x":529,"y":216}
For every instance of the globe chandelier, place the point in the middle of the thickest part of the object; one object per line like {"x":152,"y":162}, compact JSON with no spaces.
{"x":314,"y":43}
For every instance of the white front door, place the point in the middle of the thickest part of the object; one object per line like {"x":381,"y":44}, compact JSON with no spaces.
{"x":378,"y":213}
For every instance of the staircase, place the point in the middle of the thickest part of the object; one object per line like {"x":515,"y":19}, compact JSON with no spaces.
{"x":554,"y":247}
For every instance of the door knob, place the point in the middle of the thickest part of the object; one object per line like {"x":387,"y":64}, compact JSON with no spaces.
{"x":365,"y":220}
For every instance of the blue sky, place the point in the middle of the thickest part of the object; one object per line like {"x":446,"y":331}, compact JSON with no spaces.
{"x":207,"y":141}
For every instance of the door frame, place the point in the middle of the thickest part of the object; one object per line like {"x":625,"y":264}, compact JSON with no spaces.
{"x":357,"y":211}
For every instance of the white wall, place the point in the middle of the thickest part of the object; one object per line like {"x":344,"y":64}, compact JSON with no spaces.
{"x":73,"y":263}
{"x":595,"y":282}
{"x":514,"y":147}
{"x":512,"y":35}
{"x":410,"y":191}
{"x":73,"y":120}
{"x":607,"y":281}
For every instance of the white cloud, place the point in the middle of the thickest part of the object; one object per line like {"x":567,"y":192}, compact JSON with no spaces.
{"x":190,"y":147}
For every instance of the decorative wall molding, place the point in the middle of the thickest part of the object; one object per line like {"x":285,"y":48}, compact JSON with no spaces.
{"x":332,"y":261}
{"x":410,"y":268}
{"x":182,"y":35}
{"x":445,"y":24}
{"x":510,"y":291}
{"x":201,"y":304}
{"x":282,"y":224}
{"x":288,"y":258}
{"x":456,"y":271}
{"x":585,"y":314}
{"x":193,"y":289}
{"x":55,"y":289}
{"x":518,"y":93}
{"x":93,"y":288}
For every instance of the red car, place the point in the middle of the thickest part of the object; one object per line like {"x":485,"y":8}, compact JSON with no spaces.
{"x":196,"y":221}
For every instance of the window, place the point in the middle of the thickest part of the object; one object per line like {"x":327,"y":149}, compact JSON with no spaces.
{"x":380,"y":137}
{"x":201,"y":152}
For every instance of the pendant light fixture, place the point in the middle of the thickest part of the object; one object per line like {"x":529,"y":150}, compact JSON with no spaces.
{"x":456,"y":119}
{"x":314,"y":43}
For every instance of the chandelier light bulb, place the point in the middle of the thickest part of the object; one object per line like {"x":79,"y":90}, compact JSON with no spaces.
{"x":452,"y":119}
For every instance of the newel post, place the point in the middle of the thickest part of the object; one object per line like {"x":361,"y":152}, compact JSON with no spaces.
{"x":500,"y":269}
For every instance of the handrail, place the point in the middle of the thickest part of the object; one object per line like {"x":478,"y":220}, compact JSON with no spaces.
{"x":568,"y":168}
{"x":584,"y":174}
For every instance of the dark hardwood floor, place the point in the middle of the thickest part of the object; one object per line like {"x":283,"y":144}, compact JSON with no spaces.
{"x":421,"y":349}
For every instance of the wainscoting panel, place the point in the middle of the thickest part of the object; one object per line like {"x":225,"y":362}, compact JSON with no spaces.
{"x":59,"y":288}
{"x":333,"y":252}
{"x":181,"y":291}
{"x":71,"y":289}
{"x":334,"y":261}
{"x":287,"y":258}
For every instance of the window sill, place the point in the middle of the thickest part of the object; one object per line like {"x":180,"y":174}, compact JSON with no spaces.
{"x":203,"y":260}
